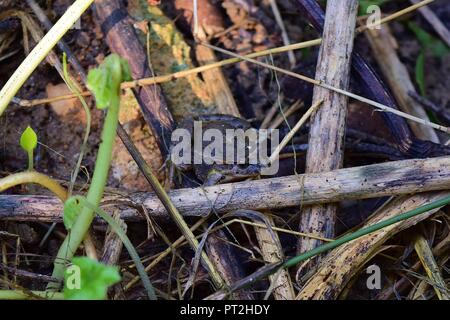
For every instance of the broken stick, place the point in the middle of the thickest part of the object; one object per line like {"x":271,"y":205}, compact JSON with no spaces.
{"x":327,"y":126}
{"x":372,"y":181}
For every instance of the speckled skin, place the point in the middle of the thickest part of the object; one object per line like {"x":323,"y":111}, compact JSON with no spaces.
{"x":214,"y":173}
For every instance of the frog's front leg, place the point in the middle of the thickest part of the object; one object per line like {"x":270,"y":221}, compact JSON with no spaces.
{"x":233,"y":173}
{"x":213,"y":177}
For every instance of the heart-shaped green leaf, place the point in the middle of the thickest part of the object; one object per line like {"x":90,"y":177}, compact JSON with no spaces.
{"x":105,"y":80}
{"x":87,"y":279}
{"x":28,"y":139}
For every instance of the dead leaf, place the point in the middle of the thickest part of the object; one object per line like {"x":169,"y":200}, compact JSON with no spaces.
{"x":63,"y":107}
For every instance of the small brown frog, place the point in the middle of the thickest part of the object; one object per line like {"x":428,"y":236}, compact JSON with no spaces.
{"x":214,"y":173}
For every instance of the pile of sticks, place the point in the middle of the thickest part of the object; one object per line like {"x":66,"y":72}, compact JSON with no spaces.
{"x":325,"y":182}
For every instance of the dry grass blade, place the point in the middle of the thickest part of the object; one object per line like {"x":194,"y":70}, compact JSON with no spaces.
{"x":41,"y":50}
{"x":171,"y":208}
{"x":431,"y":267}
{"x":272,"y":252}
{"x":284,"y":34}
{"x":326,"y":138}
{"x":383,"y":44}
{"x":437,"y":24}
{"x":395,"y":15}
{"x":179,"y":74}
{"x":326,"y":86}
{"x":250,"y":214}
{"x":440,"y":250}
{"x":185,"y":73}
{"x":284,"y":114}
{"x":294,"y":130}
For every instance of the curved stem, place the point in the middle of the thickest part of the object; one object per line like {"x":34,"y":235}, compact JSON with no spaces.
{"x":33,"y":177}
{"x":47,"y":182}
{"x":126,"y":241}
{"x":41,"y":50}
{"x":99,"y":179}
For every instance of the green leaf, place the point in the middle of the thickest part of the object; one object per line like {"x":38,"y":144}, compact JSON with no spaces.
{"x":28,"y":139}
{"x":420,"y":72}
{"x":72,"y":208}
{"x":88,"y":279}
{"x":76,"y":203}
{"x":438,"y":48}
{"x":429,"y":44}
{"x":105,"y":80}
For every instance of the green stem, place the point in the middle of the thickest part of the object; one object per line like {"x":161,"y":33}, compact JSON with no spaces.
{"x":95,"y":193}
{"x":30,"y":160}
{"x":126,"y":241}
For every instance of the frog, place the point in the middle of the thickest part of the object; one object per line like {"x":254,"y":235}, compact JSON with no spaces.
{"x":216,"y":173}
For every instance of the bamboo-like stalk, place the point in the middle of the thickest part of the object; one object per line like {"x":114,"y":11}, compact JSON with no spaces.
{"x":372,"y":181}
{"x":41,"y":50}
{"x":327,"y":125}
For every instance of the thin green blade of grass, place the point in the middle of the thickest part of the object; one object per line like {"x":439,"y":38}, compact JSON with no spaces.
{"x":270,"y":269}
{"x":365,"y":231}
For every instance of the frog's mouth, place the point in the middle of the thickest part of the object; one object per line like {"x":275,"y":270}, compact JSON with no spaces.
{"x":240,"y":172}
